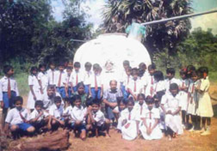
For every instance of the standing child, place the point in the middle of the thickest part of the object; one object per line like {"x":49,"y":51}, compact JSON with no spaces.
{"x":76,"y":76}
{"x":8,"y":91}
{"x":193,"y":99}
{"x":205,"y":110}
{"x":43,"y":77}
{"x":110,"y":99}
{"x":171,"y":105}
{"x":149,"y":82}
{"x":17,"y":119}
{"x":51,"y":73}
{"x":128,"y":118}
{"x":184,"y":85}
{"x":60,"y":80}
{"x":88,"y":73}
{"x":96,"y":86}
{"x":135,"y":85}
{"x":39,"y":118}
{"x":56,"y":112}
{"x":125,"y":82}
{"x":68,"y":89}
{"x":149,"y":128}
{"x":96,"y":120}
{"x":36,"y":91}
{"x":78,"y":115}
{"x":170,"y":78}
{"x":142,"y":70}
{"x":159,"y":83}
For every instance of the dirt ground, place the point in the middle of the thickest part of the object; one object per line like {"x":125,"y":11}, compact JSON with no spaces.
{"x":189,"y":141}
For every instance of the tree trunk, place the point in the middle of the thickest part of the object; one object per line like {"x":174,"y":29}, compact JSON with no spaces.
{"x":58,"y":140}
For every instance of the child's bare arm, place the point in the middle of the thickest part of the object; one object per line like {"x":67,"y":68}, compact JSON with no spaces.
{"x":162,"y":107}
{"x":155,"y":124}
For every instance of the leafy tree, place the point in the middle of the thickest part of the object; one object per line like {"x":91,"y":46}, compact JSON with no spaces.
{"x":119,"y":14}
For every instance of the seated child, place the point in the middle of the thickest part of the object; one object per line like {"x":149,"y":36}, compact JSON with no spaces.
{"x":77,"y":114}
{"x":128,"y":118}
{"x":81,"y":92}
{"x":17,"y":119}
{"x":171,"y":105}
{"x":121,"y":105}
{"x":96,"y":120}
{"x":40,"y":118}
{"x":149,"y":128}
{"x":56,"y":112}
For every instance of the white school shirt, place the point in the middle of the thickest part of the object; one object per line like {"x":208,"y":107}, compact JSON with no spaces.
{"x":35,"y":114}
{"x":87,"y":75}
{"x":43,"y":77}
{"x":140,"y":110}
{"x":63,"y":79}
{"x":67,"y":79}
{"x":91,"y":81}
{"x":171,"y":103}
{"x":49,"y":101}
{"x":126,"y":79}
{"x":158,"y":86}
{"x":168,"y":82}
{"x":51,"y":76}
{"x":194,"y":94}
{"x":150,"y":115}
{"x":56,"y":112}
{"x":139,"y":86}
{"x":78,"y":114}
{"x":73,"y":77}
{"x":125,"y":114}
{"x":33,"y":81}
{"x":14,"y":118}
{"x":4,"y":86}
{"x":99,"y":117}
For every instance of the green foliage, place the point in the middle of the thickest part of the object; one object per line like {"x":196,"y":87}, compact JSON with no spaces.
{"x":119,"y":14}
{"x":199,"y":49}
{"x":29,"y":35}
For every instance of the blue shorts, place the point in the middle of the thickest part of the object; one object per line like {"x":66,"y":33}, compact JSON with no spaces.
{"x":8,"y":103}
{"x":80,"y":127}
{"x":24,"y":126}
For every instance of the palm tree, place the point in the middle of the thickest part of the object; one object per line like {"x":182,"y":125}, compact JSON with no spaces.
{"x":118,"y":14}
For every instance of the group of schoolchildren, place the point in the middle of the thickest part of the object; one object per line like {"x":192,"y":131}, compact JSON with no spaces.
{"x":138,"y":103}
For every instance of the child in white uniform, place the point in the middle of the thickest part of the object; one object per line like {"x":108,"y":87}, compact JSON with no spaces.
{"x":193,"y":99}
{"x":205,"y":110}
{"x":121,"y":105}
{"x":183,"y":86}
{"x":129,"y":126}
{"x":159,"y":83}
{"x":170,"y":78}
{"x":171,"y":105}
{"x":36,"y":91}
{"x":135,"y":85}
{"x":43,"y":78}
{"x":149,"y":128}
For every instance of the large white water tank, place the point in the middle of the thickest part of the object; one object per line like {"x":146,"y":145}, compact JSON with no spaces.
{"x":113,"y":48}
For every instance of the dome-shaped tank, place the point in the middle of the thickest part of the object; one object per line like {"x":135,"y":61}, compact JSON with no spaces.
{"x":112,"y":49}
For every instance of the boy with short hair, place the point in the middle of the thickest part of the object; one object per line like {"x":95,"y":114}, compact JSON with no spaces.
{"x":170,"y":78}
{"x":76,"y":76}
{"x":60,"y":80}
{"x":96,"y":120}
{"x":135,"y":85}
{"x":39,"y":117}
{"x":8,"y":90}
{"x":18,"y":118}
{"x":56,"y":112}
{"x":87,"y":75}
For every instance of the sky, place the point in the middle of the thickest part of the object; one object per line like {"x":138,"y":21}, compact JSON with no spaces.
{"x":94,"y":8}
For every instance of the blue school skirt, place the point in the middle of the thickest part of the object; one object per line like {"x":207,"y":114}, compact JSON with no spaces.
{"x":24,"y":126}
{"x":9,"y":103}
